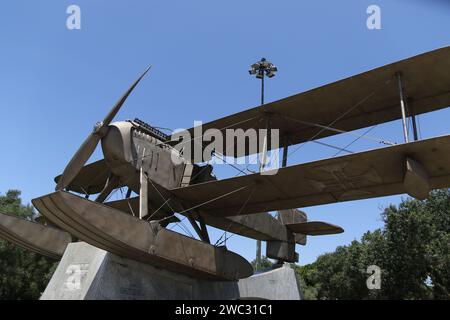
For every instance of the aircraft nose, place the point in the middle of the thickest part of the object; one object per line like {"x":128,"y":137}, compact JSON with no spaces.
{"x":116,"y":144}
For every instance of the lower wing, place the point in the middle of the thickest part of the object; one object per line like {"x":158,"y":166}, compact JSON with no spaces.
{"x":414,"y":168}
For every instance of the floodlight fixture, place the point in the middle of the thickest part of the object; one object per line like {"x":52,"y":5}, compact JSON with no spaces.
{"x":261,"y":69}
{"x":270,"y":73}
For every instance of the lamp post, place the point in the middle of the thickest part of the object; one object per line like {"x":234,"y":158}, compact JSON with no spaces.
{"x":262,"y":69}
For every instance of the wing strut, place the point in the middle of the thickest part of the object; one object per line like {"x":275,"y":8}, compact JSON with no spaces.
{"x":414,"y":124}
{"x":143,"y":195}
{"x":403,"y":105}
{"x":201,"y":230}
{"x":112,"y":183}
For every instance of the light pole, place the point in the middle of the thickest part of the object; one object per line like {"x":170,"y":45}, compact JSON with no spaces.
{"x":262,"y":69}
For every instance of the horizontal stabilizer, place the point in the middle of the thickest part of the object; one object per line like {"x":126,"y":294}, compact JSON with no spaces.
{"x":314,"y":228}
{"x":294,"y":216}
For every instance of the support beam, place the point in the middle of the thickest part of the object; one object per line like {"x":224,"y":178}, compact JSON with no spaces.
{"x":111,"y":184}
{"x":284,"y":162}
{"x":262,"y":165}
{"x":143,"y":195}
{"x":284,"y":251}
{"x":202,"y":233}
{"x":414,"y":124}
{"x":128,"y":195}
{"x":285,"y":154}
{"x":204,"y":229}
{"x":263,"y":158}
{"x":416,"y":180}
{"x":413,"y":119}
{"x":402,"y":106}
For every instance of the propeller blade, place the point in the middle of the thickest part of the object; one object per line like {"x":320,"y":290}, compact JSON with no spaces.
{"x":121,"y":101}
{"x":78,"y":160}
{"x":88,"y":147}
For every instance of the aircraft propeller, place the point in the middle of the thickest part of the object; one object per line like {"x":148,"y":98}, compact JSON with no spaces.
{"x":88,"y":147}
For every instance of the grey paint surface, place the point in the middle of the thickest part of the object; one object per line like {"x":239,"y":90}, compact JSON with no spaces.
{"x":62,"y":284}
{"x":110,"y":229}
{"x":46,"y":240}
{"x":363,"y":175}
{"x":277,"y":284}
{"x":106,"y":276}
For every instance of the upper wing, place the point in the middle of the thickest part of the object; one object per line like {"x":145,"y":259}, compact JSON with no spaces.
{"x":91,"y":179}
{"x":360,"y":101}
{"x":368,"y":174}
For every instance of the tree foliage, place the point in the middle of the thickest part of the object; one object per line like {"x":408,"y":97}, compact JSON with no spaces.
{"x":412,"y":250}
{"x":23,"y":274}
{"x":264,"y":264}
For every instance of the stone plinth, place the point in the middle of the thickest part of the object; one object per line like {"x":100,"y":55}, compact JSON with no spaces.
{"x":88,"y":273}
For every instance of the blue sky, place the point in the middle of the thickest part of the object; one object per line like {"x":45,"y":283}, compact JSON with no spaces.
{"x":56,"y":83}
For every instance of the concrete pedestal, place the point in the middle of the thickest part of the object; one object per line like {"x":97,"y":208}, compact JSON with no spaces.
{"x":88,"y":273}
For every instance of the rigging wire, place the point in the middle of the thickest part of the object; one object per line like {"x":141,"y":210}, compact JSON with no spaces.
{"x":167,"y":202}
{"x":101,"y":172}
{"x":214,"y":199}
{"x":110,"y":195}
{"x":231,"y":223}
{"x":232,"y":165}
{"x":341,"y":116}
{"x":184,"y":228}
{"x":348,"y":145}
{"x":334,"y":147}
{"x":341,"y":131}
{"x":173,"y":226}
{"x":142,"y":157}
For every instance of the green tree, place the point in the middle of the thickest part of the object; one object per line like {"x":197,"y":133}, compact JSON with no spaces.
{"x":417,"y":234}
{"x":23,"y":274}
{"x":412,"y":250}
{"x":265,"y":264}
{"x":308,"y":280}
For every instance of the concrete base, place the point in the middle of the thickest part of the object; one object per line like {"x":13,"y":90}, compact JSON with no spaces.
{"x":88,"y":273}
{"x":276,"y":284}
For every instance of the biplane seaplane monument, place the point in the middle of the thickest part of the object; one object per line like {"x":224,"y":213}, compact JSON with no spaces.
{"x":124,"y":249}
